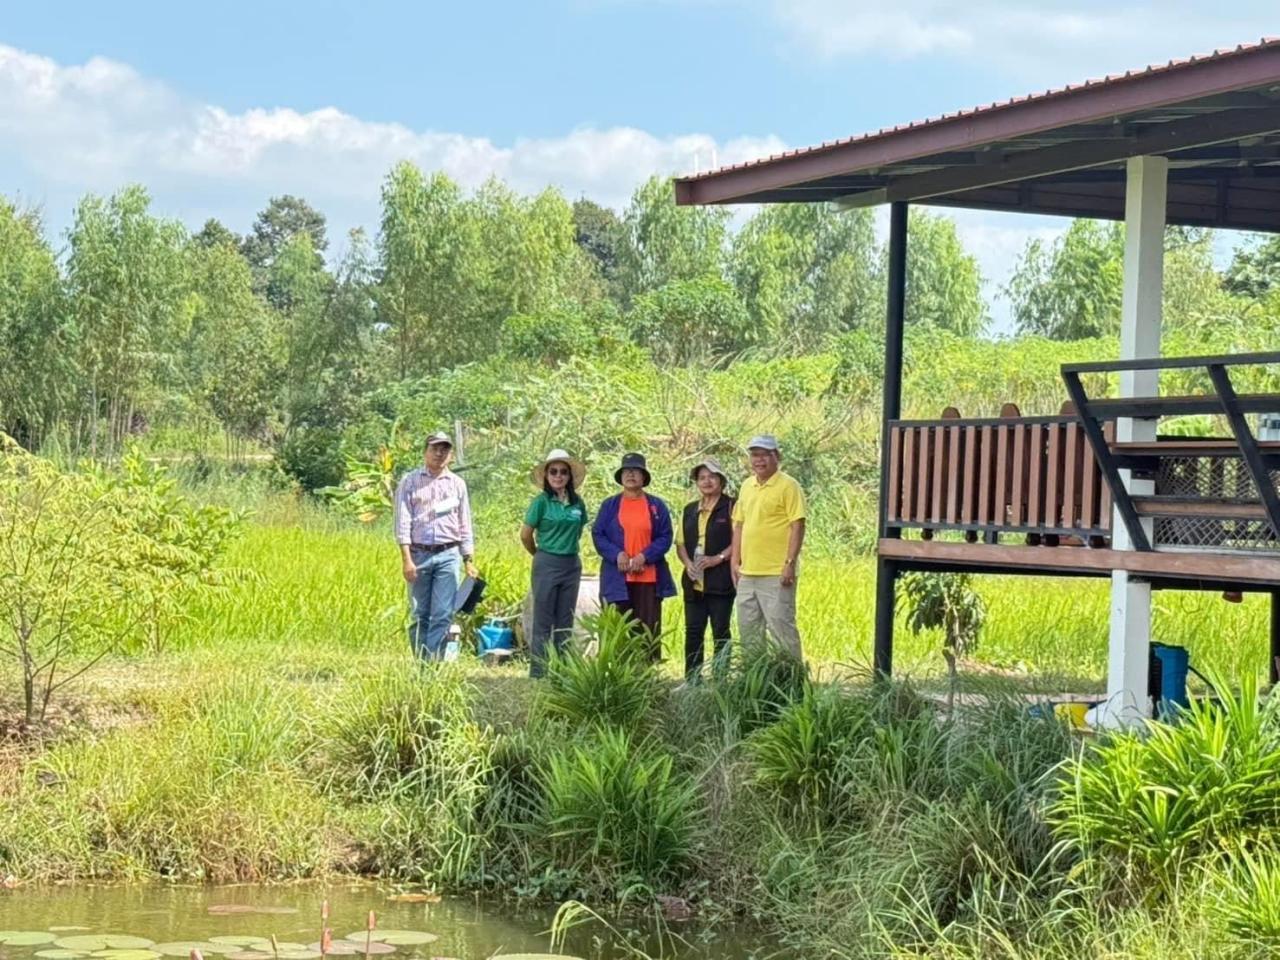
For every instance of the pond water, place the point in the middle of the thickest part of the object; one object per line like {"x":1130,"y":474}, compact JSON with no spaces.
{"x":464,"y":929}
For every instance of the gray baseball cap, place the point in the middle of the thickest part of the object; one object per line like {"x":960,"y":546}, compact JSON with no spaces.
{"x":439,"y":437}
{"x":764,"y":441}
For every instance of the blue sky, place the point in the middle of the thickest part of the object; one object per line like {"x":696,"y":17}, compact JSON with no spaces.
{"x":216,"y":108}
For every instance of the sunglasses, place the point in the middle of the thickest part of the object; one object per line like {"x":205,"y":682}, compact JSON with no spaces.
{"x":557,"y":472}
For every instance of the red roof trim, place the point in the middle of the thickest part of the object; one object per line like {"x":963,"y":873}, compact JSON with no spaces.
{"x":1154,"y":86}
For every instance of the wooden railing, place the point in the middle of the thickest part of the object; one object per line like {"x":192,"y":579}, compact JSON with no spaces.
{"x":986,"y":477}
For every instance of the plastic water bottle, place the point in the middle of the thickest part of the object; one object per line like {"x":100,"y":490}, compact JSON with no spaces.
{"x":699,"y":574}
{"x":454,"y":643}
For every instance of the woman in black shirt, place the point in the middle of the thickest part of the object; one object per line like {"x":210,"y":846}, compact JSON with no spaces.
{"x":703,"y":546}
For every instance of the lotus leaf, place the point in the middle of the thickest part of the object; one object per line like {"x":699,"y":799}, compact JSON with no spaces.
{"x":251,"y":955}
{"x":183,"y":948}
{"x":122,"y":954}
{"x":340,"y":948}
{"x":26,"y":938}
{"x":243,"y":942}
{"x":59,"y":954}
{"x":374,"y":947}
{"x":397,"y":938}
{"x":103,"y":941}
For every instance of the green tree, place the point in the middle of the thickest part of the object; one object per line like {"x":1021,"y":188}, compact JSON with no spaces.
{"x":283,"y":219}
{"x":235,"y":346}
{"x":1072,"y":288}
{"x":428,"y":266}
{"x":37,"y":371}
{"x":944,"y":286}
{"x":1255,"y":269}
{"x":126,"y":275}
{"x":599,"y":233}
{"x":664,"y":243}
{"x":687,"y":321}
{"x":806,"y":273}
{"x":215,"y":234}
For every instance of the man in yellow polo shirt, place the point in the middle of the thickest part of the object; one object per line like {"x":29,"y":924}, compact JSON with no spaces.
{"x":768,"y":531}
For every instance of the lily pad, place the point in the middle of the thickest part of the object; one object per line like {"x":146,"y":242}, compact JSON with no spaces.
{"x":340,"y":948}
{"x":375,"y":946}
{"x":91,"y":943}
{"x":533,"y":956}
{"x":125,"y":954}
{"x":26,"y":938}
{"x":183,"y":948}
{"x":302,"y":952}
{"x":251,"y":955}
{"x":59,"y":954}
{"x":68,"y":929}
{"x":244,"y":943}
{"x":397,"y":938}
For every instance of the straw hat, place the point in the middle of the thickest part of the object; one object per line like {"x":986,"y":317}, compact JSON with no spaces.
{"x":577,"y":470}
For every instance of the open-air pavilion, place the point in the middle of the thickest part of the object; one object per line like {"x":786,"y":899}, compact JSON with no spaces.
{"x":1097,"y":489}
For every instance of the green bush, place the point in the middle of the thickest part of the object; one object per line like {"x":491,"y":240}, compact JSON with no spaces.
{"x":1142,"y":808}
{"x":616,"y":686}
{"x":312,"y":456}
{"x":618,"y":812}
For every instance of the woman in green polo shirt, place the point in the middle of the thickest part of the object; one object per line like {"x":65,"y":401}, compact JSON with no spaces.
{"x":552,"y":528}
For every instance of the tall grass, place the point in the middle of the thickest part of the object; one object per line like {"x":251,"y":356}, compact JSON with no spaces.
{"x":617,"y":812}
{"x":1137,"y":811}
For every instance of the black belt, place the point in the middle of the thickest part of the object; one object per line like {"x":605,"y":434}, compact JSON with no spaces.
{"x":434,"y":547}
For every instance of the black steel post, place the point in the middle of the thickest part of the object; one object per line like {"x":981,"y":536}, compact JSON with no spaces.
{"x":1274,"y":668}
{"x":891,"y":409}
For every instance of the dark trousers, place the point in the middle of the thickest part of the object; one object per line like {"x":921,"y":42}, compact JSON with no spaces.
{"x":554,"y":586}
{"x":699,"y":610}
{"x":646,"y":610}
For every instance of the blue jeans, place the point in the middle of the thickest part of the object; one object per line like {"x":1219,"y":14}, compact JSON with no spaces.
{"x":431,"y":600}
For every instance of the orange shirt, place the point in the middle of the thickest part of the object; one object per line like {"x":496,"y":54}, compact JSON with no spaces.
{"x":637,"y":533}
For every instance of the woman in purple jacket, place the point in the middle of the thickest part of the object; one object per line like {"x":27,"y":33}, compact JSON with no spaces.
{"x":632,"y":534}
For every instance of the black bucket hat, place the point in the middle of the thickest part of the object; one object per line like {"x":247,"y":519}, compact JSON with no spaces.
{"x":632,"y":461}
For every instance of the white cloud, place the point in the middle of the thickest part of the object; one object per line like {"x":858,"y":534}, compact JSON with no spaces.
{"x":65,"y":130}
{"x":1050,"y":40}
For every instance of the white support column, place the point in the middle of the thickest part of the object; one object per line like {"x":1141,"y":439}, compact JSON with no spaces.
{"x":1144,"y":216}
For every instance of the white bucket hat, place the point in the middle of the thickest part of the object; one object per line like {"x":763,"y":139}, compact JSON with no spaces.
{"x":577,"y":469}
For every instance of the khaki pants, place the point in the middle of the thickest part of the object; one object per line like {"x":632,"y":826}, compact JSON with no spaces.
{"x":764,"y":603}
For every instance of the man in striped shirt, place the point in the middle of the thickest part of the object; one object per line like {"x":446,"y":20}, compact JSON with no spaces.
{"x":433,"y":529}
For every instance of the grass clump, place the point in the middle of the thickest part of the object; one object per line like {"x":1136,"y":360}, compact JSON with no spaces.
{"x":1138,"y":810}
{"x":617,"y":812}
{"x":616,"y":686}
{"x":211,"y":791}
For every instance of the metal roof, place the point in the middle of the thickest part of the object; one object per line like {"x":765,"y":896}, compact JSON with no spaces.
{"x":1216,"y":117}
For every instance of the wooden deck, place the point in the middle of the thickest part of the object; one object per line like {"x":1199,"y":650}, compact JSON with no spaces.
{"x":1039,"y":495}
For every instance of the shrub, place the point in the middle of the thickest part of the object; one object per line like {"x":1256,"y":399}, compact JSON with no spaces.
{"x":1143,"y":808}
{"x":617,"y":686}
{"x":312,"y":456}
{"x":618,"y":812}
